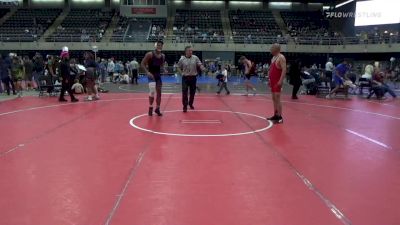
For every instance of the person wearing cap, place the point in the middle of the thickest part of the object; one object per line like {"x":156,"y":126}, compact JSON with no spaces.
{"x":66,"y":83}
{"x":188,"y":66}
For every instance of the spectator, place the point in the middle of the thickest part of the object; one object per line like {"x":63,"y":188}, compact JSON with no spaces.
{"x":28,"y":70}
{"x":328,"y":71}
{"x":77,"y":88}
{"x":90,"y":77}
{"x":135,"y":70}
{"x":65,"y":75}
{"x":38,"y":67}
{"x":223,"y":80}
{"x":379,"y":88}
{"x":111,"y":68}
{"x":124,"y":78}
{"x":5,"y":67}
{"x":103,"y":70}
{"x":295,"y":78}
{"x":17,"y":76}
{"x":369,"y":69}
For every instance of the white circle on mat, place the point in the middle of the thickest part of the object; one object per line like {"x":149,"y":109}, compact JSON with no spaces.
{"x":269,"y":125}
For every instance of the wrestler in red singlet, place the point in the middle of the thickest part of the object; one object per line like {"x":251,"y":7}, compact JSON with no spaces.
{"x":275,"y":74}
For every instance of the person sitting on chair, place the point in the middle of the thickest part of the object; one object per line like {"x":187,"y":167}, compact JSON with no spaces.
{"x":379,"y":88}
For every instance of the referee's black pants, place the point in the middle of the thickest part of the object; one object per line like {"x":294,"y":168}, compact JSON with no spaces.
{"x":188,"y":85}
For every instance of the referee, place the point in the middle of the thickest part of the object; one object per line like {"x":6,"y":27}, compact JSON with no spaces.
{"x":188,"y":66}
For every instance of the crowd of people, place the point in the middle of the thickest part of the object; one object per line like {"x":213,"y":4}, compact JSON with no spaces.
{"x":343,"y":78}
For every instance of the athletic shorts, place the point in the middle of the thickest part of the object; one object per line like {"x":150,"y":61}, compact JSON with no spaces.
{"x":248,"y":76}
{"x":338,"y":80}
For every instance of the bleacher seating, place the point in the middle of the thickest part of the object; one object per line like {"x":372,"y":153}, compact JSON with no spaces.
{"x":198,"y":26}
{"x":306,"y":24}
{"x":3,"y":12}
{"x":254,"y":27}
{"x":82,"y":25}
{"x":27,"y":25}
{"x":139,"y":29}
{"x":378,"y":34}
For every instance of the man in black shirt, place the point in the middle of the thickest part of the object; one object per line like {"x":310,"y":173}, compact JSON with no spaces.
{"x":65,"y":75}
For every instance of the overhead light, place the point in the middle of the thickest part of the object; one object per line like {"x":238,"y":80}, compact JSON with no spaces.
{"x":208,"y":2}
{"x":326,"y":7}
{"x":280,"y":3}
{"x":244,"y":3}
{"x":343,"y":3}
{"x":87,"y":1}
{"x":49,"y":1}
{"x":178,"y":1}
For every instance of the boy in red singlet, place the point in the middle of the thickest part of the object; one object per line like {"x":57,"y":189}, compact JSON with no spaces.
{"x":277,"y":72}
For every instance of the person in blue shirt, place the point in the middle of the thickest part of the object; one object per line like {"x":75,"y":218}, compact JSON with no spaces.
{"x":340,"y":76}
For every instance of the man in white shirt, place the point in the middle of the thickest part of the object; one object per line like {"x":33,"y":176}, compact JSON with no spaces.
{"x":110,"y":68}
{"x":328,"y":71}
{"x":369,"y":69}
{"x":134,"y":67}
{"x":223,"y":80}
{"x":188,"y":66}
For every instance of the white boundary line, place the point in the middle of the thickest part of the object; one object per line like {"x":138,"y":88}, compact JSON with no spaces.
{"x":368,"y":139}
{"x":336,"y":107}
{"x":66,"y":104}
{"x":270,"y":124}
{"x":125,"y":188}
{"x":199,"y":96}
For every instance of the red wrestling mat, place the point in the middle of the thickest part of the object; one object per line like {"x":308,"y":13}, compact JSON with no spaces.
{"x":104,"y":162}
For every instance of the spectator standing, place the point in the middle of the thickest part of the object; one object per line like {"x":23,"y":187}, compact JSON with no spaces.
{"x":103,"y":70}
{"x":111,"y":68}
{"x":90,"y":76}
{"x":17,"y":75}
{"x":134,"y":71}
{"x":66,"y":82}
{"x":328,"y":71}
{"x":295,"y":78}
{"x":28,"y":71}
{"x":5,"y":67}
{"x":38,"y":67}
{"x":223,"y":81}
